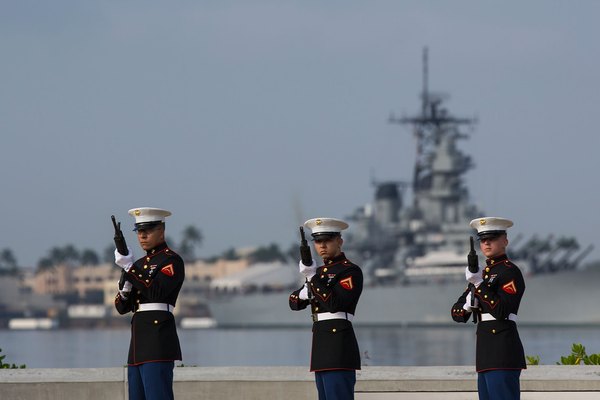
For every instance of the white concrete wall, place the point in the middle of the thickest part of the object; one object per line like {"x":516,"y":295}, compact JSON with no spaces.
{"x":254,"y":383}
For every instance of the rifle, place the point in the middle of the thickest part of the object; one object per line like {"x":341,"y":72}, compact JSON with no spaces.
{"x":306,"y":259}
{"x":121,"y":246}
{"x":473,"y":264}
{"x":305,"y":255}
{"x":119,"y":238}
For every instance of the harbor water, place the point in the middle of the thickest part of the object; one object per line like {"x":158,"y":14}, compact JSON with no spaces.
{"x":380,"y":346}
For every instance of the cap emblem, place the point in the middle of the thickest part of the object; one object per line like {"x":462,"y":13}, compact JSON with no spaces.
{"x":318,"y":222}
{"x":482,"y":221}
{"x":137,"y":213}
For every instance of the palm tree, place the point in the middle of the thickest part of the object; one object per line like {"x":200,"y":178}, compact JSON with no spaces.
{"x":8,"y":262}
{"x":7,"y":259}
{"x":89,"y":257}
{"x":108,"y":255}
{"x":267,"y":254}
{"x":293,"y":252}
{"x":230,"y":254}
{"x":45,"y":263}
{"x":192,"y":238}
{"x":60,"y":255}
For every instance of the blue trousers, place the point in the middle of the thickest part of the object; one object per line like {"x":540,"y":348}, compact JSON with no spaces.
{"x":499,"y":384}
{"x":151,"y":381}
{"x":336,"y":384}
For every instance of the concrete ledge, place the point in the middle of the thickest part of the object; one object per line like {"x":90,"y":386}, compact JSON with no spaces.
{"x":249,"y":383}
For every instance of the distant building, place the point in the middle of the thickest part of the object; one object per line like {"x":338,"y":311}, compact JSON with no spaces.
{"x":18,"y":301}
{"x":86,"y":293}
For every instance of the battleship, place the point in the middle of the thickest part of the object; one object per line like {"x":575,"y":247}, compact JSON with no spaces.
{"x":413,"y":253}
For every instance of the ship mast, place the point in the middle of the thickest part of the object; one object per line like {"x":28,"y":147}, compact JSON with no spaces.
{"x":425,"y":91}
{"x":430,"y":128}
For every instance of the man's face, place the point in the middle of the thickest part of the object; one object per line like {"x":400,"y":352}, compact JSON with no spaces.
{"x":328,"y":248}
{"x":152,"y":237}
{"x":493,"y":247}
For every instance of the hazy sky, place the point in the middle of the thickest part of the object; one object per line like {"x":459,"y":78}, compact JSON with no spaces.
{"x":246,"y":117}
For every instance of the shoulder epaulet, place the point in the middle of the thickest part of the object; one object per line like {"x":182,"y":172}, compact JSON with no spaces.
{"x":171,"y":252}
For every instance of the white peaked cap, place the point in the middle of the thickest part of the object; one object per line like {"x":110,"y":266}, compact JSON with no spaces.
{"x":490,"y":226}
{"x":325,"y":226}
{"x":148,"y":215}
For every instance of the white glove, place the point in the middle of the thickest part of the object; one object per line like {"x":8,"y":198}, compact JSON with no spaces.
{"x":124,"y":262}
{"x":303,"y":295}
{"x":308,"y":271}
{"x":474,"y":278}
{"x":467,"y":306}
{"x":127,"y":286}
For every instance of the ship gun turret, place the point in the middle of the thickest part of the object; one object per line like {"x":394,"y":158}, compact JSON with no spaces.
{"x":550,"y":254}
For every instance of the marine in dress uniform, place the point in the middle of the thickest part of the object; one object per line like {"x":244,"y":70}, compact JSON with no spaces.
{"x":499,"y":287}
{"x":332,"y":291}
{"x":152,"y":284}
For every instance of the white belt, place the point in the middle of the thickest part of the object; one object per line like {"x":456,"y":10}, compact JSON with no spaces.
{"x":155,"y":307}
{"x":490,"y":317}
{"x":336,"y":315}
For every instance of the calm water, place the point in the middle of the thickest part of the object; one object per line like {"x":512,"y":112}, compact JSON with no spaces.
{"x":273,"y":347}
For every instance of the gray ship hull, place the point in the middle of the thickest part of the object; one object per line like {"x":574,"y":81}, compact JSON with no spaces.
{"x":564,"y":298}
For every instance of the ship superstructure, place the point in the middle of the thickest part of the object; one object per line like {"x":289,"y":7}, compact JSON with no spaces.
{"x":390,"y":238}
{"x":427,"y":238}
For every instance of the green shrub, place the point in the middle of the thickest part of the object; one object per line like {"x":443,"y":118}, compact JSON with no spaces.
{"x":578,"y":356}
{"x":533,"y":360}
{"x":8,"y":366}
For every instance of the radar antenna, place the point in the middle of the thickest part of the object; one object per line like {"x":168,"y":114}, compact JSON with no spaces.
{"x":429,"y":128}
